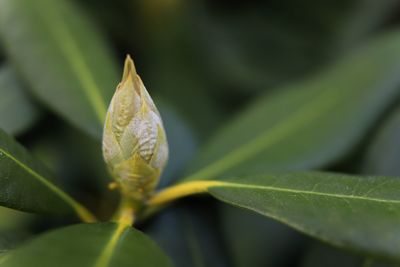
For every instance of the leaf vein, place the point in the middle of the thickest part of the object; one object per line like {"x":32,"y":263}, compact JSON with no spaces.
{"x":297,"y":191}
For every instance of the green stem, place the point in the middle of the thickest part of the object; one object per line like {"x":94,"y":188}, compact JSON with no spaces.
{"x":126,"y":210}
{"x":181,"y":190}
{"x":124,"y":221}
{"x":84,"y":214}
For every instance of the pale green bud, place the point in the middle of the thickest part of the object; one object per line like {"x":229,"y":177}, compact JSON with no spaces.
{"x":134,"y":142}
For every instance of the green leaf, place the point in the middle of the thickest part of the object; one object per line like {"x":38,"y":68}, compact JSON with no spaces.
{"x":14,"y":227}
{"x":62,"y":56}
{"x":74,"y":157}
{"x":188,"y":234}
{"x":321,"y":255}
{"x":311,"y":123}
{"x":360,"y":213}
{"x":89,"y":245}
{"x":252,"y":46}
{"x":382,"y":156}
{"x":172,"y":55}
{"x":378,"y":263}
{"x":181,"y":141}
{"x":263,"y":44}
{"x":256,"y":241}
{"x":172,"y":77}
{"x":27,"y":185}
{"x":12,"y":219}
{"x":17,"y":113}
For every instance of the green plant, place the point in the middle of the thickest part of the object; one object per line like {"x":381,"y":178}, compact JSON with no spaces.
{"x":276,"y":158}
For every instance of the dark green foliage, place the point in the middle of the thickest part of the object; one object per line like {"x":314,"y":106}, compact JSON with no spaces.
{"x":254,"y":95}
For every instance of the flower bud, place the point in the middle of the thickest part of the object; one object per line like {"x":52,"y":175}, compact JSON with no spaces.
{"x":134,"y":142}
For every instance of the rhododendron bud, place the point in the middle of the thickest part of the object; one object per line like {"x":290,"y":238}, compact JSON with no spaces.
{"x":134,"y":142}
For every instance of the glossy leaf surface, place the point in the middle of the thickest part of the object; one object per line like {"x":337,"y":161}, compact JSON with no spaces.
{"x":89,"y":245}
{"x":360,"y":213}
{"x":26,"y":184}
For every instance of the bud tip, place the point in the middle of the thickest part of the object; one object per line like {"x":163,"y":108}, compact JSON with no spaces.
{"x":129,"y":68}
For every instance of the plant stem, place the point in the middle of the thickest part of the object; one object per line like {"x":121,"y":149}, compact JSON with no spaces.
{"x":181,"y":190}
{"x":126,"y":211}
{"x":84,"y":214}
{"x":125,"y":220}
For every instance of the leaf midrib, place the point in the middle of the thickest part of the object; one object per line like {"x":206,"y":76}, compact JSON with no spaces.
{"x":108,"y":251}
{"x":323,"y":102}
{"x":298,"y":191}
{"x":43,"y":180}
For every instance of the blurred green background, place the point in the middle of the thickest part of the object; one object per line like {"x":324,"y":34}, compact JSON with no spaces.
{"x":203,"y":61}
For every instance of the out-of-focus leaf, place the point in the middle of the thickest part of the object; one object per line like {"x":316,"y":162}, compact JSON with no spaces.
{"x":259,"y":44}
{"x":26,"y":184}
{"x":17,"y":113}
{"x":77,"y":161}
{"x":11,"y":219}
{"x":362,"y":18}
{"x":71,"y":154}
{"x":382,"y":156}
{"x":171,"y":63}
{"x":10,"y":239}
{"x":187,"y":96}
{"x":62,"y":56}
{"x":381,"y":160}
{"x":378,"y":263}
{"x":190,"y":237}
{"x":86,"y":245}
{"x":13,"y":228}
{"x":256,"y":241}
{"x":311,"y":123}
{"x":359,"y":213}
{"x":181,"y":141}
{"x":321,"y":255}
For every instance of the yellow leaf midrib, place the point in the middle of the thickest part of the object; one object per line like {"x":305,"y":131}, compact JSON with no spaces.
{"x":79,"y":209}
{"x":106,"y":254}
{"x":268,"y":138}
{"x":203,"y":186}
{"x":299,"y":191}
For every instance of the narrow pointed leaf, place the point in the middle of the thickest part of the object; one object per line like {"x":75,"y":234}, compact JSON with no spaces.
{"x":62,"y":56}
{"x":382,"y":156}
{"x":311,"y":123}
{"x":287,"y":40}
{"x":359,"y":213}
{"x":89,"y":245}
{"x":17,"y":112}
{"x":26,"y":184}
